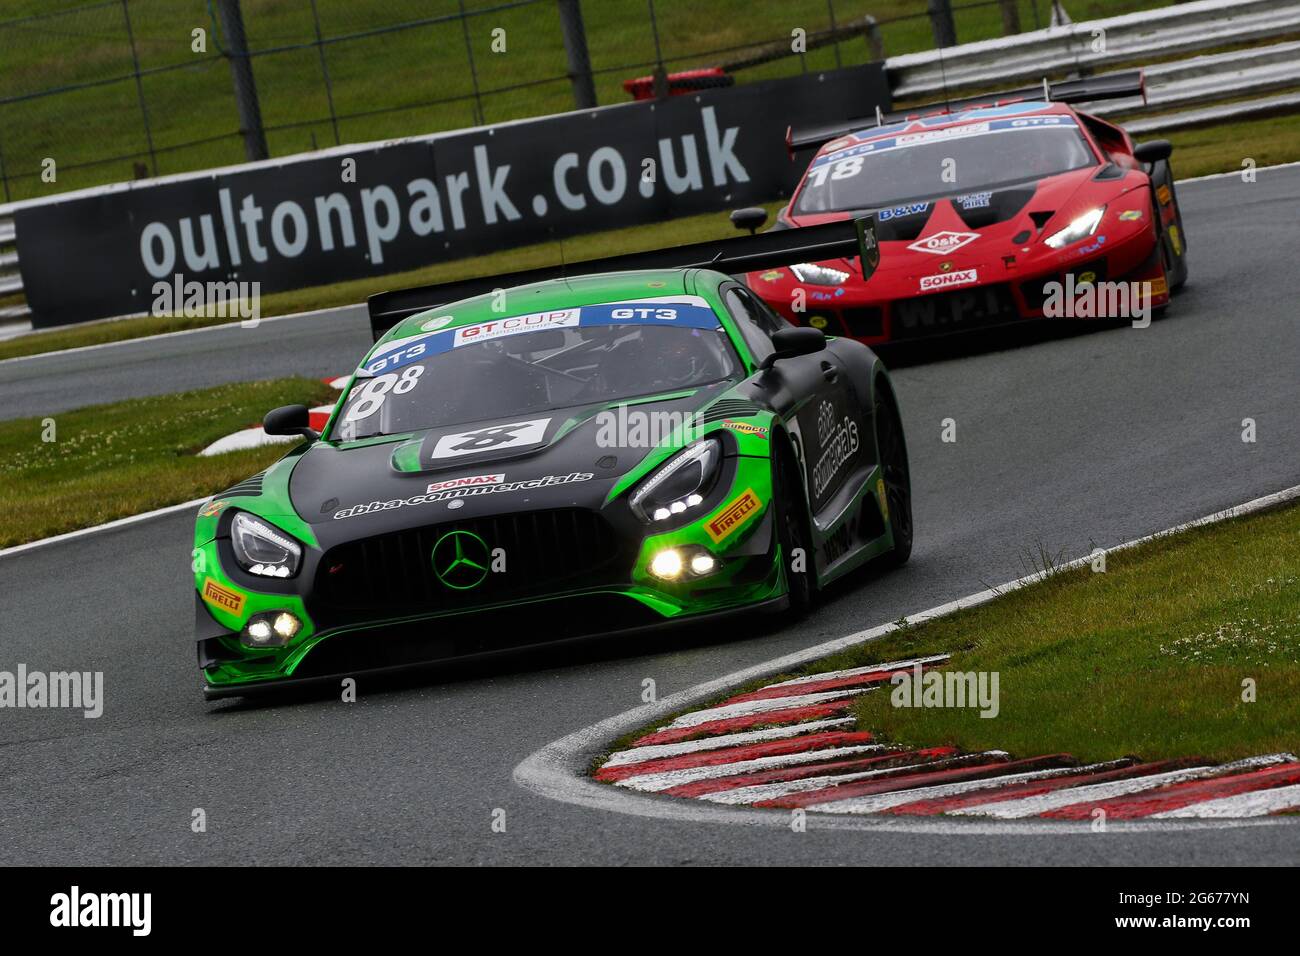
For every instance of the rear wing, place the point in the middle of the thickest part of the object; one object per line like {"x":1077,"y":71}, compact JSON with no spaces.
{"x":1111,"y":86}
{"x":779,"y":247}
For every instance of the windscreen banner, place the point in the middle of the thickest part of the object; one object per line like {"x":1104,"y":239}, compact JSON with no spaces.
{"x":381,"y":208}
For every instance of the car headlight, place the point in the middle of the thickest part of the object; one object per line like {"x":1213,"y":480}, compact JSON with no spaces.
{"x":679,"y":485}
{"x":814,"y":274}
{"x":1080,"y":228}
{"x":263,"y":550}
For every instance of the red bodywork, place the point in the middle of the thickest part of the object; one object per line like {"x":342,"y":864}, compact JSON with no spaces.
{"x":998,"y":275}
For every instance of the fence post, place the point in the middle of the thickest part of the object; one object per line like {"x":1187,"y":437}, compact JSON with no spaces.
{"x":875,"y":42}
{"x":139,"y":88}
{"x":4,"y":178}
{"x":1010,"y":17}
{"x":235,"y":48}
{"x":575,"y":47}
{"x":473,"y":72}
{"x":830,"y":10}
{"x":325,"y":72}
{"x":941,"y":22}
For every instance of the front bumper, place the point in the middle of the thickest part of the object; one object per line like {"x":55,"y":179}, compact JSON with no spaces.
{"x":889,"y":308}
{"x":337,"y":641}
{"x":368,"y":652}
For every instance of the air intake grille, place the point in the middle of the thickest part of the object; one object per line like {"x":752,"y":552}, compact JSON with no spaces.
{"x":544,"y":553}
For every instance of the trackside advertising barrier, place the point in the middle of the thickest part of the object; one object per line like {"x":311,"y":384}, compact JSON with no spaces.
{"x":388,"y":207}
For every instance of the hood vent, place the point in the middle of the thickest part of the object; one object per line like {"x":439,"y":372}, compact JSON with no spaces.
{"x":728,"y":408}
{"x":248,"y":488}
{"x":1041,"y":219}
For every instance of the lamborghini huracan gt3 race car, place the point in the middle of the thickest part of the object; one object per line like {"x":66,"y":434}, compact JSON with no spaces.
{"x":989,"y":212}
{"x":584,"y":455}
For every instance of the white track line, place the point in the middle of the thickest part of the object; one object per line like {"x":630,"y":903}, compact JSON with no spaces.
{"x":1097,"y":792}
{"x":1255,"y":804}
{"x":858,"y":671}
{"x":119,"y":523}
{"x":770,"y":791}
{"x":169,"y":335}
{"x":655,"y":751}
{"x":559,"y":771}
{"x":884,"y":801}
{"x":653,"y":782}
{"x":749,"y":707}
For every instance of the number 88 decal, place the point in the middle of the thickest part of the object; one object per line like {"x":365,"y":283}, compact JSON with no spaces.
{"x":369,"y":398}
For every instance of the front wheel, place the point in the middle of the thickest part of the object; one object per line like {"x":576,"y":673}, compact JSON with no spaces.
{"x":895,"y":474}
{"x":794,"y":538}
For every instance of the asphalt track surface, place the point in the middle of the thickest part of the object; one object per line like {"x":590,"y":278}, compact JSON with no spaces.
{"x":1063,"y":445}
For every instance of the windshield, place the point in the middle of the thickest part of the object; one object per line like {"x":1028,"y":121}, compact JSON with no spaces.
{"x":978,"y":156}
{"x":526,"y":364}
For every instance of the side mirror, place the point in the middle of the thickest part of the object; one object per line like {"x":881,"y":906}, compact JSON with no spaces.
{"x":798,"y":340}
{"x":751,"y":218}
{"x":289,"y":420}
{"x":1153,"y":151}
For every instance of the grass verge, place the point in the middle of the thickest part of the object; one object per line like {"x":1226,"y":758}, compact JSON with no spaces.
{"x":1148,"y":658}
{"x":113,"y":461}
{"x":1197,"y":153}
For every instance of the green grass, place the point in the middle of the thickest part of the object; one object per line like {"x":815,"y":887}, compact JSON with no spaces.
{"x":87,"y":42}
{"x":1146,"y":659}
{"x":112,"y":461}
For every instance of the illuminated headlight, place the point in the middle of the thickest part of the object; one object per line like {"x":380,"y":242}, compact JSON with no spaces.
{"x":680,"y":485}
{"x":673,"y":564}
{"x":263,"y":550}
{"x":814,"y":274}
{"x":667,"y":564}
{"x":1080,"y":228}
{"x":271,"y":629}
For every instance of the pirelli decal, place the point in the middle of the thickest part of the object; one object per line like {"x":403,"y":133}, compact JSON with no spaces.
{"x":733,"y":516}
{"x":228,"y":600}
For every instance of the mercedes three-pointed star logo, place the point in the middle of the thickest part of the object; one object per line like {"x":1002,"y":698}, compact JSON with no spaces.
{"x":460,"y":560}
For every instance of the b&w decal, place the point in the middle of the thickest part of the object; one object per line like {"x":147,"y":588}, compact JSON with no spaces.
{"x":491,"y":438}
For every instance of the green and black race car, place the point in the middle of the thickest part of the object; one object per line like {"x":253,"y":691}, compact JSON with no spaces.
{"x":556,"y":459}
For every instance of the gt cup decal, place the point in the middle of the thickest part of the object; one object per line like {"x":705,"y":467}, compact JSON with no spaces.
{"x":563,"y":318}
{"x":491,"y":438}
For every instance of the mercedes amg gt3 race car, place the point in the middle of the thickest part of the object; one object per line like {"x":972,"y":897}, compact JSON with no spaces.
{"x":558,"y":458}
{"x":988,"y":213}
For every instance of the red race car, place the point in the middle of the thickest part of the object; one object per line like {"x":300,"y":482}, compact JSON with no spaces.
{"x":986,"y":212}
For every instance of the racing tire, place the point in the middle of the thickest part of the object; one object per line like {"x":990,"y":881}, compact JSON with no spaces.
{"x":794,"y":536}
{"x":892,"y":448}
{"x":1172,"y":253}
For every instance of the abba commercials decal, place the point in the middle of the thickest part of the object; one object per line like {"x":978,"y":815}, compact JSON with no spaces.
{"x":837,"y":442}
